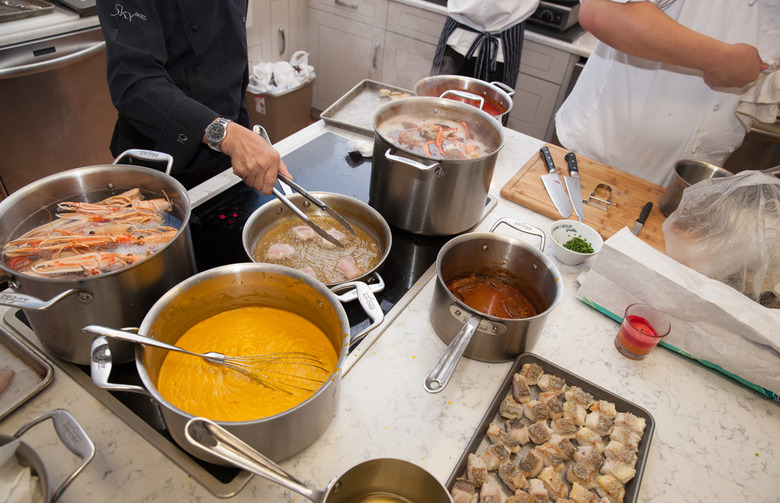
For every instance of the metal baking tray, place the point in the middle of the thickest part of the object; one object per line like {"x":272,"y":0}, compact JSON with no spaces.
{"x":32,"y":372}
{"x":355,"y":110}
{"x":479,"y":441}
{"x":11,"y":10}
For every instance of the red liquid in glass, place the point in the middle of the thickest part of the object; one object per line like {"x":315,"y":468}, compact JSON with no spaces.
{"x":637,"y":336}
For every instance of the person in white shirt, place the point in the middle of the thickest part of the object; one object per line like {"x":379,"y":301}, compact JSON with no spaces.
{"x":665,"y":79}
{"x":483,"y":39}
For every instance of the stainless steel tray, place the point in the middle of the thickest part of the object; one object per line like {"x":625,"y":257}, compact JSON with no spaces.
{"x":355,"y":110}
{"x":32,"y":372}
{"x":479,"y":441}
{"x":11,"y":10}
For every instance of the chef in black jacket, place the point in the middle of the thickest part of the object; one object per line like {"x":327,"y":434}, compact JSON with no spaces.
{"x":177,"y":72}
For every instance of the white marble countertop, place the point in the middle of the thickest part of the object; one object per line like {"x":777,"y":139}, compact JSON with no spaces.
{"x":714,"y":440}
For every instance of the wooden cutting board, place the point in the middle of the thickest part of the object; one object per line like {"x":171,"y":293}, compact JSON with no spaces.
{"x":629,"y":195}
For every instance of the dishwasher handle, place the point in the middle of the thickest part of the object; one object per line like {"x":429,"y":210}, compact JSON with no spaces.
{"x":52,"y":64}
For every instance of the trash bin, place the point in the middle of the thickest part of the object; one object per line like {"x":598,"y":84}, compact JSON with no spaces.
{"x":280,"y":114}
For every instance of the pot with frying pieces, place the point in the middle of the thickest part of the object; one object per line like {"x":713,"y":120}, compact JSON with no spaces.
{"x":273,"y":234}
{"x":492,"y":296}
{"x":433,"y":163}
{"x":288,"y":329}
{"x":93,"y":245}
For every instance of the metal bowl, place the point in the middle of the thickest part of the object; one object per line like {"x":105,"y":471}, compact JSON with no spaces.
{"x":687,"y":172}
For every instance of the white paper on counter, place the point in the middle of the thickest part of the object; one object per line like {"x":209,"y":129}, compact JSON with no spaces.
{"x":17,"y":483}
{"x":709,"y":319}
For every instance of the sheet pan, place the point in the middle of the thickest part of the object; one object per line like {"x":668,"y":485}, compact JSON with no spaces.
{"x":355,"y":110}
{"x":479,"y":440}
{"x":32,"y":372}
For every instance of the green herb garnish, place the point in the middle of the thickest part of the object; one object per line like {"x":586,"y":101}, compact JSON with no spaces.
{"x":579,"y":245}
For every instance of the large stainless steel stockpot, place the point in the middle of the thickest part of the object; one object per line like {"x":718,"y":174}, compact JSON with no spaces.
{"x":59,"y":308}
{"x":426,"y":196}
{"x":478,"y":335}
{"x":494,"y":98}
{"x":231,"y":287}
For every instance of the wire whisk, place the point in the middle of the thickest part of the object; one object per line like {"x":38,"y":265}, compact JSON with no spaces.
{"x":273,"y":370}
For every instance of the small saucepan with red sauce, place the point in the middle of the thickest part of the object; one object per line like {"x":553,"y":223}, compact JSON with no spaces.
{"x":492,"y":296}
{"x":495,"y":98}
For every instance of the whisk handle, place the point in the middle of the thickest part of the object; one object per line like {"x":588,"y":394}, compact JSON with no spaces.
{"x":137,"y":338}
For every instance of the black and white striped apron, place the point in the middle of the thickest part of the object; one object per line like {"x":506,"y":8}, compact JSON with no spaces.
{"x":487,"y":42}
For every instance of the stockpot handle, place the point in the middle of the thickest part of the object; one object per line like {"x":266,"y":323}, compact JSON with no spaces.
{"x":72,"y":436}
{"x":466,"y":95}
{"x":216,"y":440}
{"x":148,"y":155}
{"x":415,"y":164}
{"x":100,"y":368}
{"x":23,"y":301}
{"x":522,"y":227}
{"x":441,"y":372}
{"x":508,"y":90}
{"x":370,"y":305}
{"x":352,"y":293}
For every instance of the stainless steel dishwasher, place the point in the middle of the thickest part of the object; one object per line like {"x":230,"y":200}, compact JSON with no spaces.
{"x":57,"y":111}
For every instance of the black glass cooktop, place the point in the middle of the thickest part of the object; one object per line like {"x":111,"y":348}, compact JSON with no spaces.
{"x":322,"y":165}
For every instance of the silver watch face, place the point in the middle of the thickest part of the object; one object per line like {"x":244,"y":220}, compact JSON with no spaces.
{"x":215,"y":132}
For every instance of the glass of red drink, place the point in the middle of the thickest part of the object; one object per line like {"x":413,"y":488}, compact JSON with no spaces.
{"x":642,"y":329}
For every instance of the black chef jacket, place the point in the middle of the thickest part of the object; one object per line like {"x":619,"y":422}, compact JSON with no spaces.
{"x":173,"y":67}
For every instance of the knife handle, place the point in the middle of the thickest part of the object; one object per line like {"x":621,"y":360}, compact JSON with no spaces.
{"x":645,"y":212}
{"x":548,"y":160}
{"x":571,"y":159}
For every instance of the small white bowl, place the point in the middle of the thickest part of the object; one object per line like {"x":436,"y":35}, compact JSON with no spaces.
{"x":564,"y":230}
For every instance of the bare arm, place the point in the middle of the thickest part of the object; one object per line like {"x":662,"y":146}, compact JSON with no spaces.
{"x":643,"y":30}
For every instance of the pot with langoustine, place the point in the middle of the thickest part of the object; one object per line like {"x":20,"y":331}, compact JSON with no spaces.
{"x":433,"y":164}
{"x":492,"y":296}
{"x":93,"y":245}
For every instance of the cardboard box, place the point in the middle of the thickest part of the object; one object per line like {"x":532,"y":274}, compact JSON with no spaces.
{"x":281,"y":114}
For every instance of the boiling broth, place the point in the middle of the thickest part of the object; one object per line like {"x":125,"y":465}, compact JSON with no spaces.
{"x":437,"y":138}
{"x":314,"y":255}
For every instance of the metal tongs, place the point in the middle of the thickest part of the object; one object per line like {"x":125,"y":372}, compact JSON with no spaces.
{"x":284,"y":180}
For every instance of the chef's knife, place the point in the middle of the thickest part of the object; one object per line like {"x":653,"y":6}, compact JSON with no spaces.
{"x":642,"y":217}
{"x":573,"y":186}
{"x":553,"y":185}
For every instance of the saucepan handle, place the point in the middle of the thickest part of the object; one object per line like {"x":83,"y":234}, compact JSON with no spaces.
{"x":23,"y":301}
{"x":521,"y":227}
{"x":371,"y":306}
{"x":216,"y":440}
{"x":100,"y":368}
{"x":445,"y":365}
{"x":73,"y":436}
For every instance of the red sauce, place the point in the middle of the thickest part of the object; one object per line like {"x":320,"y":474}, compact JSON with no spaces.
{"x":488,"y":106}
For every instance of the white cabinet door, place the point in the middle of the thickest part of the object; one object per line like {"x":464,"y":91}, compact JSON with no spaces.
{"x":406,"y":61}
{"x":373,"y":12}
{"x":533,"y":106}
{"x":343,"y":52}
{"x":272,"y":30}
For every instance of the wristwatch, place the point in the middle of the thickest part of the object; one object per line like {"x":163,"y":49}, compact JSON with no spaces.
{"x":216,"y":132}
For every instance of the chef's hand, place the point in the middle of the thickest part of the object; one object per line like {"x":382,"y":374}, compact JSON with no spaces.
{"x":733,"y":65}
{"x":254,"y":160}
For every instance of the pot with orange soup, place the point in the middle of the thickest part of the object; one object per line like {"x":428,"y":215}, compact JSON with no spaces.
{"x":241,"y":310}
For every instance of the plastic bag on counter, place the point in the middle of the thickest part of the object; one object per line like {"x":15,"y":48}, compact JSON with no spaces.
{"x":282,"y":76}
{"x":729,"y":230}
